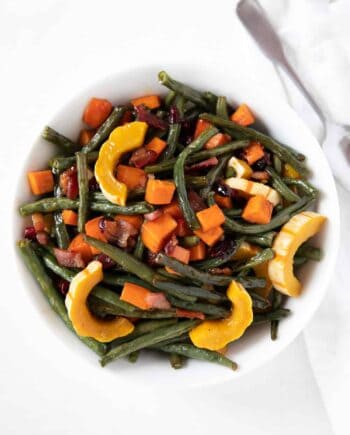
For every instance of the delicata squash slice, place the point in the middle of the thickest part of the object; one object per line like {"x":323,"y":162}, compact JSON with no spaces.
{"x":294,"y":233}
{"x":122,"y":140}
{"x":84,"y":323}
{"x":216,"y":334}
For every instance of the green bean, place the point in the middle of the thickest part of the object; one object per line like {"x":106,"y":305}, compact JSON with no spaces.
{"x":211,"y":310}
{"x":194,"y":292}
{"x":106,"y":128}
{"x":182,"y":89}
{"x":170,"y":97}
{"x":139,"y":248}
{"x":233,"y":212}
{"x":191,"y":272}
{"x":174,"y":131}
{"x":49,"y":205}
{"x":248,"y":133}
{"x":190,"y":351}
{"x":277,"y":164}
{"x":259,"y":303}
{"x":273,"y":315}
{"x":309,"y":252}
{"x":36,"y":268}
{"x":281,"y":187}
{"x":179,"y":176}
{"x":211,"y":263}
{"x":142,"y":328}
{"x":83,"y":183}
{"x":58,"y":139}
{"x":299,"y":261}
{"x":306,"y":187}
{"x":197,"y":157}
{"x":99,"y":196}
{"x":176,"y":360}
{"x":61,"y":233}
{"x":183,"y":338}
{"x":102,"y":309}
{"x":190,"y":241}
{"x":249,"y":282}
{"x":221,"y":108}
{"x":127,"y":261}
{"x":62,"y":163}
{"x":212,"y":176}
{"x":133,"y":356}
{"x":212,"y":100}
{"x":264,"y":240}
{"x":147,"y":340}
{"x":281,"y":218}
{"x":261,"y":257}
{"x":274,"y":329}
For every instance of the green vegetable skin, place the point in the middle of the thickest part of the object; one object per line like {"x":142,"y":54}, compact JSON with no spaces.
{"x":83,"y":183}
{"x":58,"y":139}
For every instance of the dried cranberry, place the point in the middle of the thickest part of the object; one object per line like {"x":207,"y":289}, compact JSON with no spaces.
{"x":143,"y":157}
{"x":151,"y":258}
{"x":222,"y":189}
{"x":63,"y":286}
{"x":174,"y":115}
{"x":30,"y":233}
{"x":146,"y":116}
{"x":196,"y":202}
{"x":261,"y":164}
{"x":93,"y":185}
{"x":226,"y":247}
{"x":107,"y":262}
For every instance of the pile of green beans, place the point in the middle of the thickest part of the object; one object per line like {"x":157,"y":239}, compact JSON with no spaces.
{"x":196,"y":290}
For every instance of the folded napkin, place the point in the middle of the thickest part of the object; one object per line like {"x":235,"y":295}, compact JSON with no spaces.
{"x":315,"y":36}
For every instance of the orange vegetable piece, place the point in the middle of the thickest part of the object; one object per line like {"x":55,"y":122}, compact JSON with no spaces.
{"x":70,"y":217}
{"x":201,"y":126}
{"x":85,"y":136}
{"x":210,"y":237}
{"x":211,"y":217}
{"x":189,"y":314}
{"x":223,"y":201}
{"x":38,"y":222}
{"x":174,"y":210}
{"x":159,"y":192}
{"x":150,"y":101}
{"x":135,"y":220}
{"x":243,"y":116}
{"x":93,"y":229}
{"x":258,"y":210}
{"x":78,"y":244}
{"x":198,"y":252}
{"x":132,"y":177}
{"x":96,"y":112}
{"x":217,"y":140}
{"x":41,"y":182}
{"x":143,"y":298}
{"x":181,"y":254}
{"x":155,"y":233}
{"x":253,"y":152}
{"x":157,"y":145}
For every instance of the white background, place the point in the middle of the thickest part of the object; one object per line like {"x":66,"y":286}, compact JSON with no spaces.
{"x":49,"y":51}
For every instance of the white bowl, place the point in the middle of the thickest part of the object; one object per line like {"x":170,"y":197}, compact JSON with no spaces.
{"x":255,"y":347}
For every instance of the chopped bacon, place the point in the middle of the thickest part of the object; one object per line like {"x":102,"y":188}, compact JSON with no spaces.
{"x":69,"y":259}
{"x":30,"y":233}
{"x":260,"y":175}
{"x":213,"y":161}
{"x":118,"y":232}
{"x":189,"y":314}
{"x":69,"y":183}
{"x":170,"y":246}
{"x":158,"y":301}
{"x":196,"y":202}
{"x":221,"y":271}
{"x":146,"y":116}
{"x":143,"y":157}
{"x":153,"y":215}
{"x":42,"y":237}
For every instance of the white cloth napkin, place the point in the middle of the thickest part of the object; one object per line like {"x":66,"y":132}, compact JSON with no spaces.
{"x":316,"y":35}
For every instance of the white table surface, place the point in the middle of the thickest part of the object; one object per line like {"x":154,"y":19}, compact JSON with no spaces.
{"x":49,"y":50}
